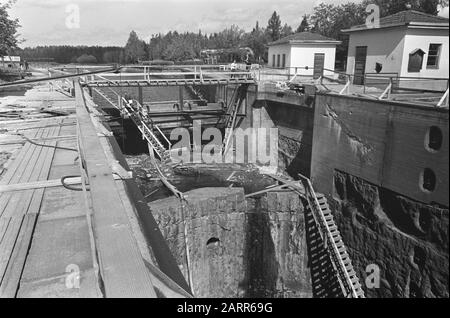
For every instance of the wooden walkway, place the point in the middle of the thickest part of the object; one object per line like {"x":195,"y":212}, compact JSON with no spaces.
{"x":57,"y":242}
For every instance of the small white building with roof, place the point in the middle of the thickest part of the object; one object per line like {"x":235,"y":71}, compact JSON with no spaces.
{"x":409,"y":44}
{"x":306,"y":53}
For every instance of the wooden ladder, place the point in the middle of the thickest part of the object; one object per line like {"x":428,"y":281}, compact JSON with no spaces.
{"x":333,"y":242}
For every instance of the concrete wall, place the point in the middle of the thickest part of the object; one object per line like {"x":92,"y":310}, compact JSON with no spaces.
{"x":236,"y":248}
{"x":279,"y":50}
{"x":384,"y":46}
{"x":381,"y":142}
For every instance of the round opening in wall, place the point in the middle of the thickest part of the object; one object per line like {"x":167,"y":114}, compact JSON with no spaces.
{"x":213,"y":241}
{"x":428,"y":180}
{"x":434,"y":139}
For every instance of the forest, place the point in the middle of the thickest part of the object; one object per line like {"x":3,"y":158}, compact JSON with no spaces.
{"x":325,"y":19}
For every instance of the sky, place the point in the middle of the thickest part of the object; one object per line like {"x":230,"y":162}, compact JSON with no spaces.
{"x":109,"y":22}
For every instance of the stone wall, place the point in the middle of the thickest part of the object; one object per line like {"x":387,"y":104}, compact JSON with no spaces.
{"x":406,"y":239}
{"x":238,"y":248}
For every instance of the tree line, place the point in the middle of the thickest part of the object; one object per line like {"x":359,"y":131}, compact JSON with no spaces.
{"x":325,"y":19}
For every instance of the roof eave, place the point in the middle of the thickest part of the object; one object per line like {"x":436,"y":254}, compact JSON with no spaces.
{"x":429,"y":25}
{"x":305,"y":42}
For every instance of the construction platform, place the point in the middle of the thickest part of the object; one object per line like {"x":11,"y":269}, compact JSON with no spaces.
{"x":57,"y":240}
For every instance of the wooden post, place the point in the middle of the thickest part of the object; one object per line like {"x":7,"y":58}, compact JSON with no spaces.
{"x":140,"y":96}
{"x":181,"y":99}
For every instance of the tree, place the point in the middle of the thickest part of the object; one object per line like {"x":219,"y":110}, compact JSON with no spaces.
{"x":329,"y":20}
{"x":388,"y":7}
{"x":134,"y":49}
{"x":8,"y":30}
{"x":286,"y":30}
{"x":87,"y":59}
{"x":257,"y":41}
{"x":304,"y":25}
{"x":274,"y":27}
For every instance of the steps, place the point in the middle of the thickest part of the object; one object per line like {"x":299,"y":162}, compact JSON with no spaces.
{"x":142,"y":121}
{"x":232,"y":110}
{"x":342,"y":257}
{"x":333,"y":242}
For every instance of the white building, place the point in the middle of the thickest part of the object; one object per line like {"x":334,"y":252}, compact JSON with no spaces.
{"x":407,"y":44}
{"x":310,"y":53}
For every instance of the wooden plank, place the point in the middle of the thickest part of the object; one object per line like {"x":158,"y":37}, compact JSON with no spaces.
{"x":15,"y":203}
{"x":37,"y":195}
{"x":43,"y":184}
{"x":10,"y":171}
{"x":3,"y":226}
{"x":25,"y":198}
{"x":17,"y":173}
{"x":122,"y":268}
{"x":7,"y":244}
{"x":11,"y":278}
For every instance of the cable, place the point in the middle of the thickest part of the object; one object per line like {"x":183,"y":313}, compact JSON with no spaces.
{"x":69,"y":187}
{"x":49,"y":146}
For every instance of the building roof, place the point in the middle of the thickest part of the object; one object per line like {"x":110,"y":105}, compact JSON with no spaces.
{"x":305,"y":37}
{"x":407,"y":17}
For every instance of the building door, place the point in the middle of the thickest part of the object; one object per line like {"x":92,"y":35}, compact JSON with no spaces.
{"x":319,"y":64}
{"x":360,"y":65}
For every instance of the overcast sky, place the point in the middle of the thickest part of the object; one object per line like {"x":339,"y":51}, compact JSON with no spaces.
{"x":109,"y":22}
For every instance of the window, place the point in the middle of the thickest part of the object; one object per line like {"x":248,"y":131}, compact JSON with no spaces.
{"x":433,"y":55}
{"x":273,"y":60}
{"x":284,"y":61}
{"x":428,"y":180}
{"x":278,"y":60}
{"x":415,"y":61}
{"x":434,"y":139}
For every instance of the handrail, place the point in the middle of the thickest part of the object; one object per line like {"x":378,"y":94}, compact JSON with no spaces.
{"x":443,"y":99}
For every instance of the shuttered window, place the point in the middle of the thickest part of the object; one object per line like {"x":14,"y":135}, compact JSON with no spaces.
{"x":415,"y":61}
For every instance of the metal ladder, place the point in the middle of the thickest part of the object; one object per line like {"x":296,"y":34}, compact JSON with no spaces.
{"x":232,"y":111}
{"x":333,"y":242}
{"x":142,"y":122}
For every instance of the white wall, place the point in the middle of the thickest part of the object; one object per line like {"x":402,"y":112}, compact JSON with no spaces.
{"x":303,"y":55}
{"x":384,"y":46}
{"x":279,"y":49}
{"x":421,"y":39}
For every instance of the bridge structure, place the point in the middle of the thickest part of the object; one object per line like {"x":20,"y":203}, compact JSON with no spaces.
{"x":169,"y":114}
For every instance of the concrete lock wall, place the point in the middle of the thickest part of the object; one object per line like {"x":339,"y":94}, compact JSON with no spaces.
{"x":383,"y":143}
{"x":238,"y":248}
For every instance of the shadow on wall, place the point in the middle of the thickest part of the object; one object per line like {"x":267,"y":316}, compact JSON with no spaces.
{"x":261,"y":266}
{"x":295,"y":124}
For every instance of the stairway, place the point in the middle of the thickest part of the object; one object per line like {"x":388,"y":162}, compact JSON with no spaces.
{"x":332,"y":242}
{"x":239,"y":95}
{"x":142,"y":121}
{"x":145,"y":125}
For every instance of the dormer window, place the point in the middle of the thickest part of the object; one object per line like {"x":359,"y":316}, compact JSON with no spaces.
{"x":415,"y":61}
